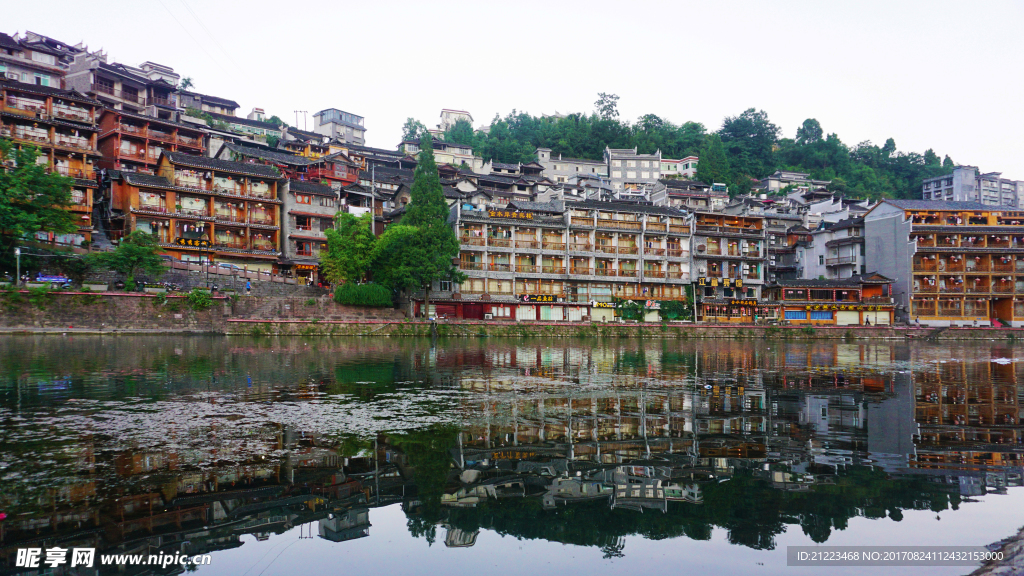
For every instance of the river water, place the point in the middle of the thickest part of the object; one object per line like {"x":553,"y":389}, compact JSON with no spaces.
{"x":399,"y":456}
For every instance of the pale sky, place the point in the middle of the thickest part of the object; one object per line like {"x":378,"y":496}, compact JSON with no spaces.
{"x":942,"y":75}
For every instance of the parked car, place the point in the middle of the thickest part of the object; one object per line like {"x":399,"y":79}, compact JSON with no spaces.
{"x":227,"y":265}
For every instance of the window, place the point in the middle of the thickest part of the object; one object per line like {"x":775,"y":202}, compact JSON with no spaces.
{"x":42,"y":80}
{"x":326,"y":224}
{"x":303,"y":223}
{"x":796,"y":315}
{"x":444,"y":286}
{"x":821,"y":314}
{"x":821,"y":260}
{"x":327,"y":202}
{"x":631,"y":164}
{"x":303,"y":199}
{"x":44,"y":58}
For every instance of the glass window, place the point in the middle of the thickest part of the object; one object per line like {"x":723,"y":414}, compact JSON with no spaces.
{"x":796,"y":315}
{"x":42,"y":80}
{"x":820,"y":314}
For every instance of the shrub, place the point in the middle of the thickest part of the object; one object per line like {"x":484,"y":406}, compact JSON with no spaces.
{"x":311,"y":302}
{"x":373,"y":295}
{"x":199,"y":299}
{"x":40,"y":297}
{"x":808,"y":330}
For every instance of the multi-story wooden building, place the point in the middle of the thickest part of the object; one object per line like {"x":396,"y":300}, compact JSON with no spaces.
{"x":309,"y":212}
{"x":729,"y":257}
{"x":135,"y":142}
{"x":953,"y":263}
{"x":856,"y":300}
{"x":549,"y":261}
{"x":62,"y":125}
{"x":203,"y":209}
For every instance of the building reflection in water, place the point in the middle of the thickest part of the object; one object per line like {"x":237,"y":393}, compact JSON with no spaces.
{"x":664,"y":440}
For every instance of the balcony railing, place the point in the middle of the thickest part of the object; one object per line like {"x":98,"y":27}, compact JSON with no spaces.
{"x":474,"y":241}
{"x":1002,"y":266}
{"x":675,"y":252}
{"x":604,"y":272}
{"x":925,"y":266}
{"x":162,"y":102}
{"x":627,"y":273}
{"x":877,"y":300}
{"x":553,"y":269}
{"x":499,"y":242}
{"x":840,"y":260}
{"x":620,"y":224}
{"x":194,"y":142}
{"x":656,"y":227}
{"x":628,"y":250}
{"x":606,"y":249}
{"x":951,"y":266}
{"x":978,"y":288}
{"x":654,"y":273}
{"x":500,"y":267}
{"x":465,"y":265}
{"x":152,"y":208}
{"x":678,"y":229}
{"x":575,"y":271}
{"x":527,"y":268}
{"x":924,"y":242}
{"x":133,"y":97}
{"x":269,"y":221}
{"x":527,"y":244}
{"x":192,"y":212}
{"x":1003,"y":288}
{"x":581,"y":221}
{"x":553,"y":245}
{"x":580,"y":247}
{"x":952,"y":289}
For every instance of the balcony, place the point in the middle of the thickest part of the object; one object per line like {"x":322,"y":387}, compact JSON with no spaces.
{"x":499,"y":242}
{"x":127,"y":96}
{"x":924,"y":241}
{"x":185,"y":140}
{"x":840,"y":260}
{"x":581,"y":221}
{"x":169,"y":102}
{"x":580,"y":247}
{"x":628,"y":273}
{"x":999,"y":266}
{"x":628,"y":250}
{"x":473,"y":241}
{"x":606,"y":249}
{"x":73,"y":172}
{"x":153,"y":208}
{"x":1003,"y":288}
{"x":232,"y":245}
{"x":925,"y":266}
{"x":553,"y":269}
{"x":307,"y":253}
{"x":619,"y":224}
{"x":527,"y":244}
{"x":951,"y":288}
{"x":654,"y":273}
{"x":162,"y":136}
{"x":656,"y":227}
{"x":71,"y":113}
{"x":581,"y":271}
{"x":678,"y":229}
{"x":500,"y":267}
{"x":553,"y":245}
{"x":72,"y":141}
{"x":604,"y":272}
{"x":675,"y":253}
{"x":465,"y":265}
{"x":266,"y":221}
{"x":952,"y":266}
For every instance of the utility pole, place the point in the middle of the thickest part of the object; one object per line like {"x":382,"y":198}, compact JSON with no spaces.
{"x":373,"y":189}
{"x":17,"y":257}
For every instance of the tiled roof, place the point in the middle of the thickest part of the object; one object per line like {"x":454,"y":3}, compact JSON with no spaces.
{"x":213,"y":99}
{"x":851,"y":282}
{"x":378,"y":151}
{"x":270,"y":155}
{"x":47,"y":91}
{"x":303,"y":135}
{"x":938,"y":205}
{"x":450,"y":192}
{"x":120,"y":70}
{"x":151,"y":119}
{"x":205,"y":163}
{"x":140,"y":179}
{"x":629,"y":207}
{"x":6,"y":41}
{"x":553,"y":207}
{"x":844,"y":224}
{"x":504,"y":166}
{"x":340,"y":157}
{"x":243,"y":121}
{"x":303,"y":187}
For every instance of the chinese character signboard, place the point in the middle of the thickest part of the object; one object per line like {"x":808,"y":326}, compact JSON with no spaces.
{"x":192,"y":242}
{"x":510,"y":214}
{"x":538,"y":298}
{"x":743,"y":302}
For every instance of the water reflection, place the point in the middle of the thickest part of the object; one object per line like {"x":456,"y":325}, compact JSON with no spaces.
{"x":188,"y":444}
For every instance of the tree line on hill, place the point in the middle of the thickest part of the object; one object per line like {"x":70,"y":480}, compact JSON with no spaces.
{"x":747,"y":147}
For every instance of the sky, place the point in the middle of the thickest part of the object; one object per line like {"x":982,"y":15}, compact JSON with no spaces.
{"x":935,"y":74}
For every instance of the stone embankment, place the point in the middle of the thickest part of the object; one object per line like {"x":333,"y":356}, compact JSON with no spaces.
{"x":28,"y":311}
{"x":1012,"y":563}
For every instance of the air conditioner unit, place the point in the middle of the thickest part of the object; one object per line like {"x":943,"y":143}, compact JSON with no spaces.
{"x":703,"y":270}
{"x":488,"y":316}
{"x":13,"y":75}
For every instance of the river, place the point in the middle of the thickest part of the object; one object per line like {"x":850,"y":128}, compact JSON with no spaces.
{"x":403,"y":456}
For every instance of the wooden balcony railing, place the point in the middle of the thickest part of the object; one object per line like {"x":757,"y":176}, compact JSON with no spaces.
{"x":675,"y":252}
{"x":553,"y":245}
{"x":581,"y":271}
{"x":580,"y":247}
{"x":472,"y":266}
{"x":678,"y":229}
{"x":951,"y":266}
{"x":952,"y":289}
{"x":606,"y":249}
{"x":474,"y":241}
{"x":581,"y":221}
{"x":153,"y":208}
{"x":123,"y":95}
{"x":998,"y":266}
{"x":925,"y":266}
{"x":499,"y":267}
{"x":620,"y":224}
{"x":527,"y":244}
{"x":553,"y":269}
{"x":1003,"y":288}
{"x":628,"y":250}
{"x":527,"y":268}
{"x":656,"y":227}
{"x":654,"y":273}
{"x":923,"y":242}
{"x":978,"y":288}
{"x":604,"y":272}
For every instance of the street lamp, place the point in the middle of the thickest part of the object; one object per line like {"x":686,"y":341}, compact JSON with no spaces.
{"x":17,"y":258}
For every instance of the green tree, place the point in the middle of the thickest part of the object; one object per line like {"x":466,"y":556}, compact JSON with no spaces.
{"x":750,"y":140}
{"x":422,"y":249}
{"x":186,"y":83}
{"x":413,"y":129}
{"x":460,"y":133}
{"x":809,"y":133}
{"x":349,"y":248}
{"x":137,"y":253}
{"x":276,"y":121}
{"x":607,"y":106}
{"x":713,"y":165}
{"x":31,"y":199}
